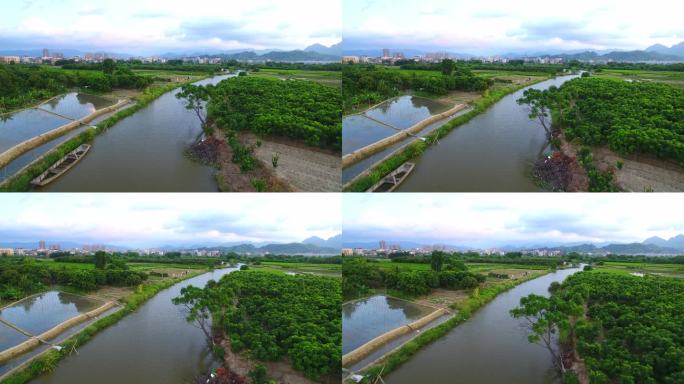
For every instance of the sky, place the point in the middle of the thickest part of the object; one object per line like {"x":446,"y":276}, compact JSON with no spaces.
{"x":504,"y":26}
{"x":149,"y":220}
{"x":153,"y":26}
{"x":493,"y":220}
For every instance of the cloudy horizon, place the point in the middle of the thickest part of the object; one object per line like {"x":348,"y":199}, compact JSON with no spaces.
{"x":152,"y":220}
{"x":142,"y":27}
{"x":496,"y":220}
{"x":499,"y":27}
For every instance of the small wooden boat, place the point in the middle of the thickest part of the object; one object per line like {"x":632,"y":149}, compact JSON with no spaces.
{"x":390,"y":182}
{"x":60,"y":167}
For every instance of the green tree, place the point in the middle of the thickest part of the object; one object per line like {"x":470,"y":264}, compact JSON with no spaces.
{"x":544,"y":318}
{"x":108,"y":66}
{"x":437,"y":260}
{"x":196,"y":97}
{"x":101,"y":260}
{"x":448,"y":67}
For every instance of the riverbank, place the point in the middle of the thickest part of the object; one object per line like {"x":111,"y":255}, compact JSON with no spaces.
{"x":20,"y":181}
{"x":411,"y":151}
{"x":463,"y":311}
{"x":280,"y":371}
{"x":48,"y":360}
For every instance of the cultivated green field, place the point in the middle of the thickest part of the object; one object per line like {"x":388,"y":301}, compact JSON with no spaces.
{"x":667,"y":270}
{"x":333,"y":270}
{"x":667,"y":77}
{"x":331,"y":78}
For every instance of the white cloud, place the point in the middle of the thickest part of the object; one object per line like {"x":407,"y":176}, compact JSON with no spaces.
{"x":133,"y":219}
{"x":499,"y":219}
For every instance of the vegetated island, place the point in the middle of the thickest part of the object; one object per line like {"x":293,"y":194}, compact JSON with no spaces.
{"x":613,"y":129}
{"x":272,"y":129}
{"x":618,"y":321}
{"x":268,"y":326}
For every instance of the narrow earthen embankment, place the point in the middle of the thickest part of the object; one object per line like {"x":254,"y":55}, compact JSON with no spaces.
{"x":364,"y":350}
{"x":34,"y":142}
{"x":369,"y":150}
{"x":35,"y":341}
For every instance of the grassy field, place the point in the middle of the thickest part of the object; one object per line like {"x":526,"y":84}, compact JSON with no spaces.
{"x":472,"y":267}
{"x":667,"y":77}
{"x":331,"y":78}
{"x":333,"y":270}
{"x":667,"y":270}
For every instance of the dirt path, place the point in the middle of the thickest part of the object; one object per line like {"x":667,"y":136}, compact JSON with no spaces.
{"x":280,"y":371}
{"x":304,"y":168}
{"x":642,"y":173}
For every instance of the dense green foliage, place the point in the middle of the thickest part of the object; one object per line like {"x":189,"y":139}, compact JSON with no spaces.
{"x":629,"y":117}
{"x":271,"y":316}
{"x":360,"y":276}
{"x":21,"y":277}
{"x":21,"y":85}
{"x":368,"y":84}
{"x":455,"y":258}
{"x":633,"y":331}
{"x":510,"y":66}
{"x":303,"y":110}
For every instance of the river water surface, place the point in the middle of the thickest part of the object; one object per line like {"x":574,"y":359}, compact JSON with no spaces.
{"x":144,"y":153}
{"x":493,"y":152}
{"x":491,"y":347}
{"x":153,"y":345}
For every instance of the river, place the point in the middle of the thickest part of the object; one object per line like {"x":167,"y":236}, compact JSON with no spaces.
{"x":493,"y":152}
{"x":144,"y":153}
{"x":152,"y":345}
{"x":491,"y":347}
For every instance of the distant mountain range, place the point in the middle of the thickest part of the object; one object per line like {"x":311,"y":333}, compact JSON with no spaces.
{"x":651,"y":246}
{"x":657,"y":52}
{"x":333,"y":242}
{"x":676,"y":50}
{"x":315,"y":52}
{"x":311,"y":246}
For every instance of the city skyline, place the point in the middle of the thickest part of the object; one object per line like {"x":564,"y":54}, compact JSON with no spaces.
{"x":140,"y":27}
{"x":490,"y":221}
{"x":499,"y":27}
{"x":152,"y":221}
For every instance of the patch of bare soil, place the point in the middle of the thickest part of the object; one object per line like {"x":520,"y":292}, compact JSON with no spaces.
{"x":442,"y":298}
{"x":459,"y":97}
{"x":231,"y":179}
{"x":111,"y":293}
{"x":578,"y":180}
{"x":641,"y":173}
{"x":280,"y":371}
{"x":304,"y":168}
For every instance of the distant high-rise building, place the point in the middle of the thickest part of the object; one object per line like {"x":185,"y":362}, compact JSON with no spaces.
{"x":41,"y":244}
{"x":386,"y":53}
{"x":46,"y":53}
{"x":383,"y":245}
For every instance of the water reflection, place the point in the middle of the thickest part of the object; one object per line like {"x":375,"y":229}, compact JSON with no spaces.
{"x":39,"y":313}
{"x":365,"y":319}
